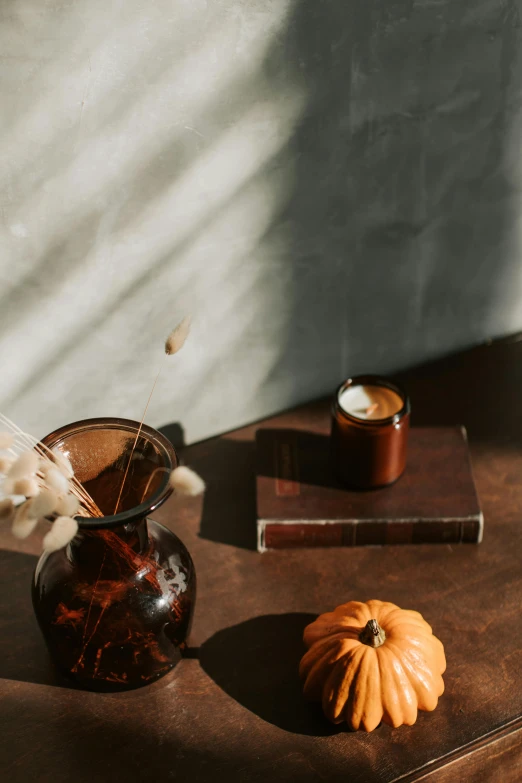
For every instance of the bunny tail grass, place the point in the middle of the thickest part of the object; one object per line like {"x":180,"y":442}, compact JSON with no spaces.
{"x":62,"y":532}
{"x":185,"y":481}
{"x":176,"y":339}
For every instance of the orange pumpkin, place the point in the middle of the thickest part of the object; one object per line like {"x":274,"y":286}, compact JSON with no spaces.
{"x":372,"y":662}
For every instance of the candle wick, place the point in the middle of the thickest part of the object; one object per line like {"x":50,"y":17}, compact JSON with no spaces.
{"x":372,"y":409}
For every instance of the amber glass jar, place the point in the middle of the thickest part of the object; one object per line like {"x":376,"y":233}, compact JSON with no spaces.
{"x":370,"y":452}
{"x":115,"y":606}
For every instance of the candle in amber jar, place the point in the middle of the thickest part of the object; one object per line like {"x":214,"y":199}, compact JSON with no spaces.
{"x":370,"y":422}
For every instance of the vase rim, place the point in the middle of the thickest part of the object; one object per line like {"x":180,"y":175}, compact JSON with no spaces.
{"x":166,"y":448}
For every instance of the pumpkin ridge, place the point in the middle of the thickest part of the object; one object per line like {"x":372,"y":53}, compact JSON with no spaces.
{"x":318,"y":673}
{"x":409,"y":632}
{"x":418,"y":667}
{"x":328,"y":640}
{"x":349,"y":606}
{"x":397,"y":618}
{"x":312,"y":635}
{"x":362,"y":705}
{"x":423,"y":679}
{"x":427,"y":646}
{"x":321,"y":654}
{"x":380,"y":610}
{"x":404,"y":710}
{"x":387,"y":686}
{"x":353,"y":609}
{"x":341,"y":676}
{"x":422,"y":645}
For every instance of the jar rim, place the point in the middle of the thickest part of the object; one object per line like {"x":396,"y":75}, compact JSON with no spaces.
{"x":164,"y":445}
{"x":372,"y":380}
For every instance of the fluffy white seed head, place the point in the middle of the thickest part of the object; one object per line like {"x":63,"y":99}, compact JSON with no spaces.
{"x":7,"y":510}
{"x":26,"y":486}
{"x":8,"y":487}
{"x":62,"y":532}
{"x":25,"y":465}
{"x":176,"y":339}
{"x":186,"y":482}
{"x":24,"y":523}
{"x":44,"y":504}
{"x":67,"y":506}
{"x":54,"y":479}
{"x":5,"y":464}
{"x":24,"y":527}
{"x":6,"y":440}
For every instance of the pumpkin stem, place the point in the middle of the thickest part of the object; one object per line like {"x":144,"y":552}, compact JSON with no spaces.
{"x":372,"y":634}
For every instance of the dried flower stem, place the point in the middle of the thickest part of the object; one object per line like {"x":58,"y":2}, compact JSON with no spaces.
{"x":136,"y":439}
{"x":151,"y":477}
{"x":23,"y":441}
{"x":174,"y":343}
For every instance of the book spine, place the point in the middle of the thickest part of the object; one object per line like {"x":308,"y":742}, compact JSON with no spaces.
{"x":290,"y":535}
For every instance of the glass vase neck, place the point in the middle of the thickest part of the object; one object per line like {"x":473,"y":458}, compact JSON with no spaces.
{"x":122,"y":541}
{"x":107,"y":454}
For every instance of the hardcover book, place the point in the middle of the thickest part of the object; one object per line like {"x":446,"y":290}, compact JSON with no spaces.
{"x":300,"y":503}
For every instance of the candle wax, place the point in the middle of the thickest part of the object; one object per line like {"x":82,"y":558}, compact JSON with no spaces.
{"x":370,"y":402}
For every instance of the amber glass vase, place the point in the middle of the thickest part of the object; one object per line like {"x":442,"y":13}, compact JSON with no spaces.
{"x":115,"y":606}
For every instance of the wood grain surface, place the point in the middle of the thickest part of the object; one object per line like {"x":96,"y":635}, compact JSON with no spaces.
{"x":233,"y":709}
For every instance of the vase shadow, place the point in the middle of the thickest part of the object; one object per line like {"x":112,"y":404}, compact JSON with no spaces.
{"x":228,"y":469}
{"x":174,"y":432}
{"x":229,"y":506}
{"x":256,"y":663}
{"x":305,"y":454}
{"x":23,"y":654}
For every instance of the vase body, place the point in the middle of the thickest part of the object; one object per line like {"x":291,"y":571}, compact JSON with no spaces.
{"x":115,"y":606}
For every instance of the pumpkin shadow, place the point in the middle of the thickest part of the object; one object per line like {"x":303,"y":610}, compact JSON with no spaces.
{"x":256,"y":663}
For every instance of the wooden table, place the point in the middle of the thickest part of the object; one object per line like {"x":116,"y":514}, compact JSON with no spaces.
{"x":233,"y":709}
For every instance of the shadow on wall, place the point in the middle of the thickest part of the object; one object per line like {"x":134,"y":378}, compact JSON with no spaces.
{"x":401,"y":217}
{"x":335,"y":194}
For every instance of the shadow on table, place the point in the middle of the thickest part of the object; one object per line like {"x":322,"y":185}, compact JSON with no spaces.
{"x":100,"y":740}
{"x":256,"y":663}
{"x":296,"y":455}
{"x":229,"y":469}
{"x":229,"y":506}
{"x":23,"y":654}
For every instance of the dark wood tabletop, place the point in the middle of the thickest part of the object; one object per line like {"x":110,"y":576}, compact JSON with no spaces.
{"x":232,"y":709}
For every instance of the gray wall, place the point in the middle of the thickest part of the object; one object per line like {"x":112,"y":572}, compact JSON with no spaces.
{"x":328,"y":187}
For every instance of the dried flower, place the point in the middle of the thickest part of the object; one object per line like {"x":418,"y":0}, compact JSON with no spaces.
{"x":67,"y":506}
{"x":186,"y":482}
{"x":5,"y":464}
{"x":176,"y":339}
{"x":44,"y":504}
{"x":6,"y":440}
{"x":55,"y":479}
{"x":25,"y":465}
{"x":62,"y":532}
{"x":26,"y":486}
{"x":46,"y":478}
{"x":24,"y":523}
